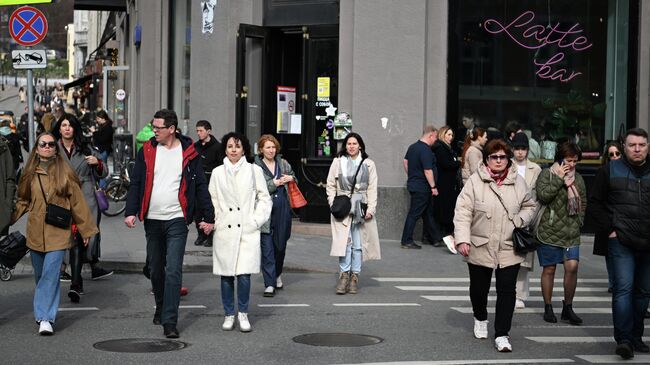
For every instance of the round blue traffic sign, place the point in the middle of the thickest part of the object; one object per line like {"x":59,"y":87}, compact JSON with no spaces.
{"x":27,"y":26}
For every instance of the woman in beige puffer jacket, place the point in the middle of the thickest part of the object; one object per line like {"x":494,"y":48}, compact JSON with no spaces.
{"x":492,"y":203}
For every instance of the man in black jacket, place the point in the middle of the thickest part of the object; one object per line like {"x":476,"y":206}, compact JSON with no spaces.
{"x":209,"y":151}
{"x":618,"y":206}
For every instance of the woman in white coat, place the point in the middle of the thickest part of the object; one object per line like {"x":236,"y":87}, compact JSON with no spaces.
{"x":241,"y":205}
{"x":355,"y":238}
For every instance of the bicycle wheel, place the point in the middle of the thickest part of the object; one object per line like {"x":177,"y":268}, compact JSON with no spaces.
{"x":116,"y":191}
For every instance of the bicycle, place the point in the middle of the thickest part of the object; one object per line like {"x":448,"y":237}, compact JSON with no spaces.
{"x":118,"y":188}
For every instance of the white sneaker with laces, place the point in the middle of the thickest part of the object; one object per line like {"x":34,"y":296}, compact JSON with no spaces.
{"x":502,"y":343}
{"x":450,"y":243}
{"x":519,"y":304}
{"x":244,"y":325}
{"x":278,"y":283}
{"x":480,"y":328}
{"x":269,"y":291}
{"x":45,"y":328}
{"x":228,"y":323}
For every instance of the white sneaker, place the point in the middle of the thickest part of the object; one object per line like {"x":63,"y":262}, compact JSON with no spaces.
{"x":278,"y":283}
{"x":450,"y":243}
{"x":45,"y":328}
{"x":519,"y":304}
{"x":244,"y":325}
{"x":228,"y":323}
{"x":502,"y":343}
{"x":269,"y":292}
{"x":480,"y":328}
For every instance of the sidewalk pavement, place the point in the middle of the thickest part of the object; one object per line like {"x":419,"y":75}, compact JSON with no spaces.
{"x":124,"y":250}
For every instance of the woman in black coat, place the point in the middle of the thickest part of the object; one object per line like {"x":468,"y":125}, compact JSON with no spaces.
{"x":447,"y":180}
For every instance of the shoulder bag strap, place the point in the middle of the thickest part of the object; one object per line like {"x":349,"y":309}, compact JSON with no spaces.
{"x":354,"y":180}
{"x":42,"y":190}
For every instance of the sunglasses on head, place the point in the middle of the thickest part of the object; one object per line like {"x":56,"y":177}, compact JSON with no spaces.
{"x":614,"y":154}
{"x":42,"y":144}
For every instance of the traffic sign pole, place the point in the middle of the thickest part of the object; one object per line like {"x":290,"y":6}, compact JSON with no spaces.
{"x":30,"y":108}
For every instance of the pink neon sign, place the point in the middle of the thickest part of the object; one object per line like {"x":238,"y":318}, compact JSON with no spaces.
{"x":535,"y":36}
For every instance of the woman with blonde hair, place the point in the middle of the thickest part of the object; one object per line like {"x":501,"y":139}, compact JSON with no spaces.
{"x":48,"y":180}
{"x":473,"y":152}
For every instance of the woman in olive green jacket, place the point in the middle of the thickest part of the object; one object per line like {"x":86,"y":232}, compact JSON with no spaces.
{"x":562,"y":191}
{"x":48,"y":179}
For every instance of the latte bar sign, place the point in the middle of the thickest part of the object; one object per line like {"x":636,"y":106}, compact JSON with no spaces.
{"x":538,"y":36}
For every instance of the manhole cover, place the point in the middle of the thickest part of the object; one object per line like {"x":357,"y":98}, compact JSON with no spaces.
{"x":140,"y":345}
{"x":337,"y":339}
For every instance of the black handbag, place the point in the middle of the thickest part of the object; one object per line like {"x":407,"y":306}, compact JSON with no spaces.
{"x":55,"y":215}
{"x":341,"y":206}
{"x":524,"y":241}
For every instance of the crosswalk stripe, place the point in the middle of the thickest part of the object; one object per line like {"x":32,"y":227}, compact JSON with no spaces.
{"x":466,"y":288}
{"x":72,"y":309}
{"x":615,"y":359}
{"x":574,"y":339}
{"x":192,"y":306}
{"x":282,"y":305}
{"x":466,"y":280}
{"x":470,"y":362}
{"x":376,"y":304}
{"x":468,"y":310}
{"x":449,"y":298}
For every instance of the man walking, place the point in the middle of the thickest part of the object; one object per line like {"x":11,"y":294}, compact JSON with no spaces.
{"x":619,"y":208}
{"x":167,"y":187}
{"x":420,"y":166}
{"x":7,"y":186}
{"x":208,"y":149}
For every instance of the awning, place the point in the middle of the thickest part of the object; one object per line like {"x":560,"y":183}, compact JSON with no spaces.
{"x":77,"y":82}
{"x":105,"y":5}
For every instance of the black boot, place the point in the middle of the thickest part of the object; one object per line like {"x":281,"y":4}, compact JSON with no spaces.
{"x":549,"y":316}
{"x":569,"y":315}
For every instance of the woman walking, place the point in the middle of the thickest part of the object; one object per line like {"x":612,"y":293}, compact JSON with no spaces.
{"x":242,"y":205}
{"x":88,"y":167}
{"x":103,"y":139}
{"x":447,"y":181}
{"x":48,"y":179}
{"x":354,"y":238}
{"x":277,"y":230}
{"x":562,"y":190}
{"x":473,"y":152}
{"x":492,"y":203}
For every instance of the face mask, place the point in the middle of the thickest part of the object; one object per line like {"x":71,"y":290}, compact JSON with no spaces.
{"x":5,"y":131}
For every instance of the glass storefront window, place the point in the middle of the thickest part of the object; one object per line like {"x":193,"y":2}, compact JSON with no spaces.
{"x":539,"y":66}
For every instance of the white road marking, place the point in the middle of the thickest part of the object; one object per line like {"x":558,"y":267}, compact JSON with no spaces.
{"x":466,"y":280}
{"x":468,"y":310}
{"x":191,"y":306}
{"x":447,"y":298}
{"x":559,"y":325}
{"x":72,"y":309}
{"x":615,"y":359}
{"x":282,"y":305}
{"x":466,"y":288}
{"x":574,"y":339}
{"x":376,"y":304}
{"x":470,"y":362}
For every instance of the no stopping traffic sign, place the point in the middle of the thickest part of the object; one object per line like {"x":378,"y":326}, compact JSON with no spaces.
{"x":27,"y":26}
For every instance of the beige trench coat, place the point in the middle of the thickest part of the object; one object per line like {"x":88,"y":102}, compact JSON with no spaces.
{"x":341,"y":229}
{"x":474,"y":157}
{"x":532,"y":173}
{"x":482,"y":220}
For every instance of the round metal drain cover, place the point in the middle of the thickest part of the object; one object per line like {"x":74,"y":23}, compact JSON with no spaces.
{"x":140,"y":345}
{"x":337,"y":339}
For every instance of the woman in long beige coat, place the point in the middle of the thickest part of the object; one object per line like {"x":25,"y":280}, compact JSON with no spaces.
{"x":492,"y":203}
{"x":473,"y":152}
{"x":355,"y":238}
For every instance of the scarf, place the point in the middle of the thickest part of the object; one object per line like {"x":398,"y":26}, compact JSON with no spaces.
{"x":231,"y":168}
{"x":574,"y":204}
{"x":498,"y":177}
{"x":5,"y":131}
{"x":346,"y":175}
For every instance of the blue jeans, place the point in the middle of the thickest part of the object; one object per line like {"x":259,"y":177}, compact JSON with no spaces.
{"x":104,"y":157}
{"x":228,"y":293}
{"x":268,"y":260}
{"x":421,"y":206}
{"x":47,"y":271}
{"x":165,"y":249}
{"x":353,"y":253}
{"x":631,"y":291}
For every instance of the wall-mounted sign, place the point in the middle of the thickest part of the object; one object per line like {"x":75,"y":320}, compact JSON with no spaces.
{"x":536,"y":36}
{"x":286,"y":107}
{"x":207,"y":15}
{"x":323,"y":88}
{"x":120,"y":94}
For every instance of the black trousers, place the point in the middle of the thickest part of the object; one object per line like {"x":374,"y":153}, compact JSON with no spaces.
{"x":479,"y":286}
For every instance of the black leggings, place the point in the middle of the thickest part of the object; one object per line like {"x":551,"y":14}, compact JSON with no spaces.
{"x":479,"y":286}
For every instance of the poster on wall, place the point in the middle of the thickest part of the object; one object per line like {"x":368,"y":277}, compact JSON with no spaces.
{"x":207,"y":15}
{"x":286,"y":106}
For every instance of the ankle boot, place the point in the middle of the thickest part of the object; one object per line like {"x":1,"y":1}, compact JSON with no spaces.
{"x":354,"y":283}
{"x":549,"y":316}
{"x":342,"y":285}
{"x":569,"y":315}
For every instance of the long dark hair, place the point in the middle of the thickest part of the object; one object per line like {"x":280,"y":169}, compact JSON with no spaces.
{"x":246,"y":145}
{"x":102,"y":114}
{"x":362,"y":145}
{"x":77,"y":136}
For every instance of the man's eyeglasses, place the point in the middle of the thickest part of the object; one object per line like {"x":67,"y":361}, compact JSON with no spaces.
{"x":43,"y":144}
{"x":614,"y":154}
{"x":155,"y":128}
{"x":498,"y":157}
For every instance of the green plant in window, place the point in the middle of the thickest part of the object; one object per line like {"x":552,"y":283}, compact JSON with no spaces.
{"x":571,"y":118}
